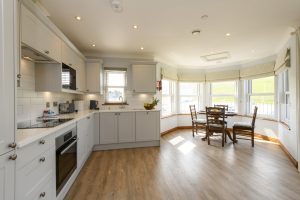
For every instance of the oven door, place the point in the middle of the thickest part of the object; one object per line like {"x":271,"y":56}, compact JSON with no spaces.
{"x":66,"y":162}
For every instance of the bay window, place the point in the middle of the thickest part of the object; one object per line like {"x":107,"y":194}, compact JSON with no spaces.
{"x":261,"y":94}
{"x":168,"y":97}
{"x":190,"y":94}
{"x":224,"y":93}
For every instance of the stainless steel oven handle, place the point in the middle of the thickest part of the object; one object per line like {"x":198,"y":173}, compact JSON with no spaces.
{"x":66,"y":149}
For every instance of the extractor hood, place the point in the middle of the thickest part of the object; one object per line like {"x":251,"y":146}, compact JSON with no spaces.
{"x":35,"y":56}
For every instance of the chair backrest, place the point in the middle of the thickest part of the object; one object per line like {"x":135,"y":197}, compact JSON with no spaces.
{"x":215,"y":115}
{"x":221,"y":106}
{"x":254,"y":116}
{"x":193,"y":112}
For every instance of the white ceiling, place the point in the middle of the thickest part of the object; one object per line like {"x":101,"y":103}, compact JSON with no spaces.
{"x":257,"y":28}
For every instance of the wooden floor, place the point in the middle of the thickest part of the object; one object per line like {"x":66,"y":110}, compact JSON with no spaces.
{"x":187,"y":168}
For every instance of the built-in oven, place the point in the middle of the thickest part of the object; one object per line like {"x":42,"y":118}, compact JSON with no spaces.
{"x":68,"y":77}
{"x":66,"y":157}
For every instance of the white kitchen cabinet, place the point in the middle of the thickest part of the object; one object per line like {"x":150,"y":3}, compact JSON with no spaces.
{"x":7,"y":176}
{"x":96,"y":129}
{"x":94,"y":76}
{"x":90,"y":132}
{"x":36,"y":35}
{"x":147,"y":126}
{"x":108,"y":128}
{"x":81,"y":75}
{"x":126,"y":127}
{"x":144,"y":78}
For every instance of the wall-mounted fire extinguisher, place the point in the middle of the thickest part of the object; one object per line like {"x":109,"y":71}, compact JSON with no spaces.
{"x":158,"y":85}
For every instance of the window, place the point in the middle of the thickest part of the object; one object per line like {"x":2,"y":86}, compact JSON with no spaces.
{"x":284,"y":96}
{"x":189,"y":94}
{"x":115,"y":84}
{"x":168,"y":97}
{"x":261,"y":94}
{"x":224,"y":93}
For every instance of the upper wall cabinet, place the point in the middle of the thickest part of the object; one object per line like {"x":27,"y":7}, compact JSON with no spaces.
{"x":144,"y":78}
{"x":94,"y":76}
{"x":37,"y":36}
{"x":69,"y":57}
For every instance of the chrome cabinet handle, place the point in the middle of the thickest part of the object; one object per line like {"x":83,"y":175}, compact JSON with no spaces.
{"x":46,"y":52}
{"x":43,"y":159}
{"x":12,"y":145}
{"x":43,"y":194}
{"x":42,"y":142}
{"x":13,"y":157}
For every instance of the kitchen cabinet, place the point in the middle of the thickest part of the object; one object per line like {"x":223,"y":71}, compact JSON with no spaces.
{"x":147,"y":126}
{"x":37,"y":36}
{"x":144,"y":78}
{"x":108,"y":128}
{"x":94,"y":76}
{"x":72,"y":59}
{"x":7,"y":78}
{"x":126,"y":127}
{"x":7,"y":176}
{"x":85,"y":136}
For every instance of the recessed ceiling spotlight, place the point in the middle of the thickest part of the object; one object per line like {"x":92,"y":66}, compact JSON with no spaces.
{"x":196,"y":32}
{"x":228,"y":34}
{"x":78,"y":18}
{"x":135,"y":26}
{"x":93,"y":45}
{"x":204,"y":17}
{"x":142,"y":48}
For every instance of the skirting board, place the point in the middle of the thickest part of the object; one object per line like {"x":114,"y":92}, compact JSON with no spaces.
{"x":126,"y":145}
{"x":257,"y":136}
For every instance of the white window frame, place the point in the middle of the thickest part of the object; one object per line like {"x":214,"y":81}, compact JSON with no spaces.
{"x":106,"y":86}
{"x":172,"y":95}
{"x":284,"y":95}
{"x":235,"y":95}
{"x":249,"y":94}
{"x":199,"y":95}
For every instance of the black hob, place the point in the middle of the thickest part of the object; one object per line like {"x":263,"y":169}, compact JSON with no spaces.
{"x":45,"y":123}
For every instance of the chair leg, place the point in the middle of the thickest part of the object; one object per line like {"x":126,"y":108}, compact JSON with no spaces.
{"x":252,"y":139}
{"x":193,"y":129}
{"x":223,"y":134}
{"x":208,"y":139}
{"x":234,"y":136}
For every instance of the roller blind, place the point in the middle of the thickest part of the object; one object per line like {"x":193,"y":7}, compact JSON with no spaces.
{"x":191,"y":76}
{"x":283,"y":61}
{"x":257,"y":71}
{"x":223,"y":75}
{"x":169,"y":73}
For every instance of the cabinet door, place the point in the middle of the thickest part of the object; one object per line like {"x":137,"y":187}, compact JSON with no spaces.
{"x":7,"y":75}
{"x":7,"y":177}
{"x":36,"y":35}
{"x":144,"y":78}
{"x":67,"y":55}
{"x":82,"y":140}
{"x":126,"y":127}
{"x":108,"y":128}
{"x":93,"y":77}
{"x":90,"y":133}
{"x":80,"y":74}
{"x":147,"y":126}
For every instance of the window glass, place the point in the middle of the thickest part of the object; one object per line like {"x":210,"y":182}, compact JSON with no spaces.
{"x":188,"y":88}
{"x":115,"y":83}
{"x":168,"y":97}
{"x":185,"y":102}
{"x":165,"y":87}
{"x":190,"y":94}
{"x":263,"y":85}
{"x":223,"y":88}
{"x":224,"y":93}
{"x":265,"y":104}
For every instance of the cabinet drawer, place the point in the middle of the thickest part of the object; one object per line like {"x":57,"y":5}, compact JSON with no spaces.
{"x":30,"y":152}
{"x":29,"y":177}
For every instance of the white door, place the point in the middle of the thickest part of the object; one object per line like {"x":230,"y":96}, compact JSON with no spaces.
{"x":108,"y":128}
{"x":7,"y":75}
{"x":7,"y":176}
{"x":147,"y":124}
{"x":126,"y":127}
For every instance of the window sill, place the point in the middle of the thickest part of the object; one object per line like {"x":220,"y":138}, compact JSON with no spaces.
{"x":115,"y":104}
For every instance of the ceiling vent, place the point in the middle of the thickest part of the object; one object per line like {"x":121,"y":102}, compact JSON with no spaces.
{"x":116,"y":5}
{"x":216,"y":56}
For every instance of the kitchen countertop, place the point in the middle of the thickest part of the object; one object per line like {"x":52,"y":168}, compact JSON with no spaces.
{"x":27,"y":136}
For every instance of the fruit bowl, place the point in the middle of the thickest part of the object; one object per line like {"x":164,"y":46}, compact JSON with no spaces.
{"x":148,"y":106}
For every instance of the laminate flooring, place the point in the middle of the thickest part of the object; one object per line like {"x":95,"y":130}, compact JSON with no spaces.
{"x":186,"y":168}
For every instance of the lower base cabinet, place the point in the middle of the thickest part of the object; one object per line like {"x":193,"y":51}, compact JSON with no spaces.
{"x":7,"y":176}
{"x":147,"y":126}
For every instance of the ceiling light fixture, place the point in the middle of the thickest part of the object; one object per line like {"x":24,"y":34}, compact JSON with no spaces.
{"x":135,"y":26}
{"x":142,"y":48}
{"x":78,"y":18}
{"x":228,"y":34}
{"x":196,"y":32}
{"x":93,"y":45}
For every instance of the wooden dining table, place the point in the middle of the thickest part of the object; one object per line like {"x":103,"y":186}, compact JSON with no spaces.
{"x":227,"y":114}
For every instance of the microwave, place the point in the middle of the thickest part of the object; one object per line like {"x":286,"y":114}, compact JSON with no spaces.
{"x":68,"y":77}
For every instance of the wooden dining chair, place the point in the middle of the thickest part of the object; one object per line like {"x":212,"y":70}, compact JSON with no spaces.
{"x":196,"y":123}
{"x":215,"y":123}
{"x":245,"y":128}
{"x":221,"y":106}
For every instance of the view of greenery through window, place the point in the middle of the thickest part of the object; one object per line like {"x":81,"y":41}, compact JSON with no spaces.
{"x":223,"y":93}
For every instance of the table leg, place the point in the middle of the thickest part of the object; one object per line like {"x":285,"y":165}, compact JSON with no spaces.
{"x":229,"y":135}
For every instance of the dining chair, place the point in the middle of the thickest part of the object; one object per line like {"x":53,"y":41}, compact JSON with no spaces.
{"x":196,"y":123}
{"x":215,"y":123}
{"x":245,"y":128}
{"x":221,"y":106}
